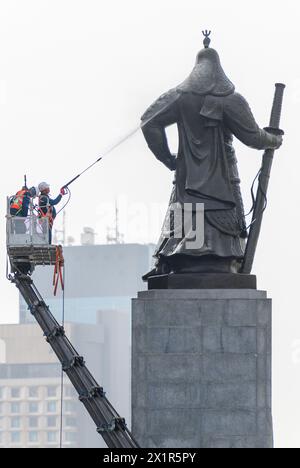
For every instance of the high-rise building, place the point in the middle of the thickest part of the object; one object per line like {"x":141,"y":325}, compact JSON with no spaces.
{"x":30,"y":389}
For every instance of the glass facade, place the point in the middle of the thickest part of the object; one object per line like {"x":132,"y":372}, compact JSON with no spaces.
{"x":36,"y":424}
{"x":51,"y":421}
{"x":33,"y":422}
{"x":29,"y":371}
{"x":69,"y":407}
{"x":52,"y":392}
{"x":33,"y":392}
{"x":70,"y":422}
{"x":33,"y":436}
{"x":70,"y":436}
{"x":15,"y":393}
{"x":16,"y":422}
{"x":15,"y":408}
{"x":33,"y":407}
{"x":52,"y":437}
{"x":16,"y":437}
{"x":114,"y":277}
{"x":52,"y":407}
{"x":80,"y":310}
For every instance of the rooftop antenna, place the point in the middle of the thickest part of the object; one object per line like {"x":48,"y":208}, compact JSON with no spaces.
{"x":117,"y":237}
{"x":207,"y":39}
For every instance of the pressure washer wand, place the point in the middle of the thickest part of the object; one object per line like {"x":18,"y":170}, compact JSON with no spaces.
{"x":83,"y":172}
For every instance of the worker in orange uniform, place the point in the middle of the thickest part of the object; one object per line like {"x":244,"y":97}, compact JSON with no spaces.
{"x":19,"y":207}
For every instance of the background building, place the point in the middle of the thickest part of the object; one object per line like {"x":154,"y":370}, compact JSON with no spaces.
{"x":30,"y":389}
{"x":97,"y":277}
{"x":100,"y":282}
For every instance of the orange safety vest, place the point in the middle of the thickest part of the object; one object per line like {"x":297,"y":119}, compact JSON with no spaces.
{"x":17,"y":202}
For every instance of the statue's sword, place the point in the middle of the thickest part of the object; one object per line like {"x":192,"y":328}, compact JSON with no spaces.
{"x":264,"y":178}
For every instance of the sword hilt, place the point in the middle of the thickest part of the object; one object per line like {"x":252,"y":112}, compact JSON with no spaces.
{"x":277,"y":106}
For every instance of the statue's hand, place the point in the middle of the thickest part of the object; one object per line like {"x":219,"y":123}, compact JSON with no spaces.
{"x":170,"y":162}
{"x":173,"y":162}
{"x":279,"y":139}
{"x":275,"y":138}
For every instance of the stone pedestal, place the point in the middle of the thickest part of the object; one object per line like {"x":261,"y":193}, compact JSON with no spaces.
{"x":201,"y":369}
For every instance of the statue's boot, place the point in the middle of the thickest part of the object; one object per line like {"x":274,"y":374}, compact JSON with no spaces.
{"x":161,"y":268}
{"x":181,"y":264}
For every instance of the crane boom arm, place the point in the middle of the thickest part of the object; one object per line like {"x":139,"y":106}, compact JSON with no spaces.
{"x":109,"y":424}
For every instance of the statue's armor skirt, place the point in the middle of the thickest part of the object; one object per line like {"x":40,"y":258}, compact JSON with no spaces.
{"x":224,"y":230}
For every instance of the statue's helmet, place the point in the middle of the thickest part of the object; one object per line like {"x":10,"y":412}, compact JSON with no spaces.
{"x":208,"y":76}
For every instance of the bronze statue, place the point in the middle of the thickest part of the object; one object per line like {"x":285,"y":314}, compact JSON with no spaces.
{"x":208,"y":113}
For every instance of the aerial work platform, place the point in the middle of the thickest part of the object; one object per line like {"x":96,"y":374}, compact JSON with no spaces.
{"x":36,"y":255}
{"x":28,"y":240}
{"x":27,"y":247}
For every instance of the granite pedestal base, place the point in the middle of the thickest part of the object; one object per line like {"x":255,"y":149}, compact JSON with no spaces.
{"x":201,"y":369}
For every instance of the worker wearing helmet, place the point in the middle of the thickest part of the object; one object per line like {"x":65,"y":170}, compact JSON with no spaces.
{"x":19,"y":207}
{"x":47,"y":205}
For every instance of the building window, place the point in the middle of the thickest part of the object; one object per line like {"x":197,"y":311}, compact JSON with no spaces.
{"x":70,"y":437}
{"x":51,"y":421}
{"x":51,"y":392}
{"x":15,"y":408}
{"x":15,"y":422}
{"x":70,"y":422}
{"x":33,"y":436}
{"x":33,"y":422}
{"x":1,"y":408}
{"x":15,"y":392}
{"x":1,"y":423}
{"x":1,"y":393}
{"x":69,"y":407}
{"x":33,"y":392}
{"x":51,"y":407}
{"x":51,"y":437}
{"x":33,"y":408}
{"x":70,"y":392}
{"x":16,"y":437}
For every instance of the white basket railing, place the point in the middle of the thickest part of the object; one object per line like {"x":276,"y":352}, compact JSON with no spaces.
{"x":26,"y":231}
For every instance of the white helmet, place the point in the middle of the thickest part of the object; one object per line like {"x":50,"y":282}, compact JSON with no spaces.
{"x":43,"y":186}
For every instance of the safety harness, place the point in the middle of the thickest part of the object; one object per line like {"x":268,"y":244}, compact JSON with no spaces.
{"x":49,"y":211}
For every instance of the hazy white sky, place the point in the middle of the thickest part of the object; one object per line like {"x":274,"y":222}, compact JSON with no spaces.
{"x":75,"y":75}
